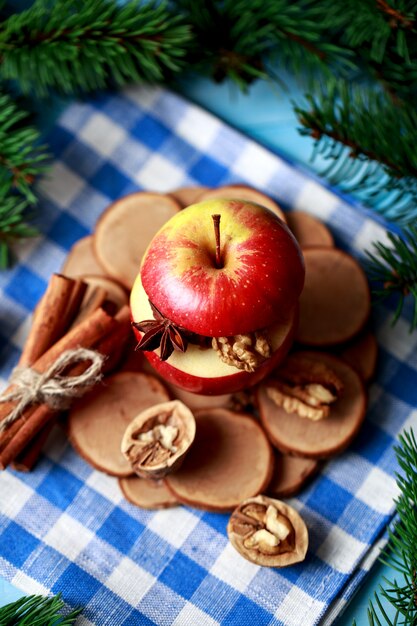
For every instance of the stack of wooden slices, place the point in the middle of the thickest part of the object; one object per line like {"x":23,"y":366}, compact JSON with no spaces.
{"x":218,"y":453}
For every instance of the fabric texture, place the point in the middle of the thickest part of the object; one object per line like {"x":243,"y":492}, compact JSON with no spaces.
{"x":66,"y":527}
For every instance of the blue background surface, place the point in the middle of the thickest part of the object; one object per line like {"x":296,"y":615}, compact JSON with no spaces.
{"x":265,"y":114}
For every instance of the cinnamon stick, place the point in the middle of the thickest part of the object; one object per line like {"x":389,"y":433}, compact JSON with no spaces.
{"x":115,"y":343}
{"x":112,"y":345}
{"x":38,"y":419}
{"x":27,"y":459}
{"x":94,"y":298}
{"x":85,"y":334}
{"x":49,"y":320}
{"x":75,"y":301}
{"x":30,"y":425}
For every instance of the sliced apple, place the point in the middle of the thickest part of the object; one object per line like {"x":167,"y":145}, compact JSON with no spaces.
{"x":200,"y":370}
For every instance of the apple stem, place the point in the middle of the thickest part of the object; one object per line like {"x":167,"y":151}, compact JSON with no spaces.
{"x":216,"y":222}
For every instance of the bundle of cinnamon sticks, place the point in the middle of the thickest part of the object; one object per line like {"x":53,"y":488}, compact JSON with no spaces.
{"x":65,"y":319}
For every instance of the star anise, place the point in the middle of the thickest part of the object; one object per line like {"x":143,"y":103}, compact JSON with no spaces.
{"x":161,"y":333}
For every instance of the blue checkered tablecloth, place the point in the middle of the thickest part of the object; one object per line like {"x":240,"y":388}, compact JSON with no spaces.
{"x":66,"y":527}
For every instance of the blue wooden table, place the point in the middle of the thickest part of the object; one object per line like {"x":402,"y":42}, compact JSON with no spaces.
{"x":265,"y":114}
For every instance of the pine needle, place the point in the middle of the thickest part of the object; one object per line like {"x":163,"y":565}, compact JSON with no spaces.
{"x":37,"y":611}
{"x":393,"y":268}
{"x":83,"y":46}
{"x":401,"y":550}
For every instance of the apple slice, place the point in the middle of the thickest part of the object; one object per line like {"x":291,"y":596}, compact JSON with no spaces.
{"x":308,"y":230}
{"x":317,"y":439}
{"x":243,"y":192}
{"x":81,"y":259}
{"x":362,"y":354}
{"x":291,"y":473}
{"x":187,"y":195}
{"x":201,"y":370}
{"x":97,"y":422}
{"x":125,"y":229}
{"x":146,"y":493}
{"x":229,"y":461}
{"x":335,"y":303}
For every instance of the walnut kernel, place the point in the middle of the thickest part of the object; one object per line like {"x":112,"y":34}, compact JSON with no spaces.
{"x":268,"y":532}
{"x":246,"y":352}
{"x":157,"y":439}
{"x":305,"y":386}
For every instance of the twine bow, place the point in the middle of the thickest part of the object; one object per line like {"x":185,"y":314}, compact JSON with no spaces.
{"x":50,"y":387}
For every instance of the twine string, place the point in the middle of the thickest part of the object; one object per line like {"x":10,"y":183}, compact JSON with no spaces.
{"x":51,"y":387}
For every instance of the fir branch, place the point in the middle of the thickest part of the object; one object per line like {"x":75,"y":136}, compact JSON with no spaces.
{"x":244,"y":40}
{"x":401,"y":551}
{"x":22,"y":159}
{"x":354,"y":129}
{"x":37,"y":611}
{"x":394,"y":269}
{"x":86,"y":45}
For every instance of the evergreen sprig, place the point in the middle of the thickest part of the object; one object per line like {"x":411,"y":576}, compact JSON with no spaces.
{"x":394,"y":269}
{"x":22,"y":159}
{"x":244,"y":40}
{"x":357,"y":129}
{"x":83,"y":45}
{"x":37,"y":610}
{"x":401,"y":551}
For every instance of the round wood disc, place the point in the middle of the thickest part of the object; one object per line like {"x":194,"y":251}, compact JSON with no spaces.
{"x":97,"y":422}
{"x":362,"y":354}
{"x":115,"y":292}
{"x":146,"y":493}
{"x":244,"y":192}
{"x":335,"y":302}
{"x":81,"y":260}
{"x":308,"y":230}
{"x":196,"y":401}
{"x":229,"y":459}
{"x":290,"y":474}
{"x":186,"y":196}
{"x":125,"y":230}
{"x":323,"y":438}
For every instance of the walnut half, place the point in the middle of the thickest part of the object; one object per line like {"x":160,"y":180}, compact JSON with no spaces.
{"x":246,"y":352}
{"x":268,"y":532}
{"x":157,"y":439}
{"x":306,"y":386}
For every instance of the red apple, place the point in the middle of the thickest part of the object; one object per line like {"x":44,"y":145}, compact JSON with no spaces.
{"x":261,"y":276}
{"x":250,"y":281}
{"x":200,"y":370}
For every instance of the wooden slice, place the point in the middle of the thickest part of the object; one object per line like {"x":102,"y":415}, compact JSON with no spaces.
{"x":335,"y":302}
{"x":230,"y":460}
{"x":362,"y":354}
{"x":125,"y":230}
{"x":243,"y":192}
{"x":146,"y":493}
{"x":97,"y":422}
{"x":317,"y":439}
{"x":196,"y":401}
{"x":308,"y":230}
{"x":185,"y":196}
{"x":81,"y":260}
{"x":291,"y":473}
